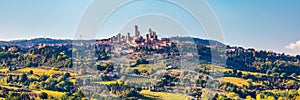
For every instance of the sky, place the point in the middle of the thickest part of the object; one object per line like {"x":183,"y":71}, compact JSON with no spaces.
{"x":260,"y":24}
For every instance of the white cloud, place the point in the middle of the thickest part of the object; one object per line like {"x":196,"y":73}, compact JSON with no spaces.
{"x":294,"y":45}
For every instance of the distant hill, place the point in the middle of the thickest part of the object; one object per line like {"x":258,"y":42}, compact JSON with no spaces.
{"x":199,"y":41}
{"x":34,"y":41}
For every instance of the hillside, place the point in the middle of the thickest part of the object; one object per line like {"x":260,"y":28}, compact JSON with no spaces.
{"x":122,"y":70}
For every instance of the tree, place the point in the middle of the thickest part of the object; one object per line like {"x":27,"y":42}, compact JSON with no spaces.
{"x":250,"y":81}
{"x":136,"y":71}
{"x":298,"y":57}
{"x":269,"y":72}
{"x":9,"y":79}
{"x":43,"y":95}
{"x":67,"y":75}
{"x":234,"y":71}
{"x":28,"y":64}
{"x":64,"y":77}
{"x":141,"y":61}
{"x":239,"y":74}
{"x":25,"y":97}
{"x":216,"y":97}
{"x":100,"y":67}
{"x":17,"y":78}
{"x":10,"y":69}
{"x":24,"y":77}
{"x":30,"y":72}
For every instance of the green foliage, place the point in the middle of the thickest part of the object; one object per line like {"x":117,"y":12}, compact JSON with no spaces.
{"x":107,"y":67}
{"x":167,"y":80}
{"x":48,"y":56}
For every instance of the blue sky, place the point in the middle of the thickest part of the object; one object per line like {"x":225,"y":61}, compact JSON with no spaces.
{"x":262,"y":24}
{"x":21,"y":19}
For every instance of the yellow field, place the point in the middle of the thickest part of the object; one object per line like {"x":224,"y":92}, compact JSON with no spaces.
{"x":147,"y":93}
{"x":107,"y":82}
{"x":4,"y":70}
{"x":55,"y":94}
{"x":172,"y":96}
{"x":254,"y":73}
{"x":164,"y":95}
{"x":234,"y":80}
{"x":39,"y":71}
